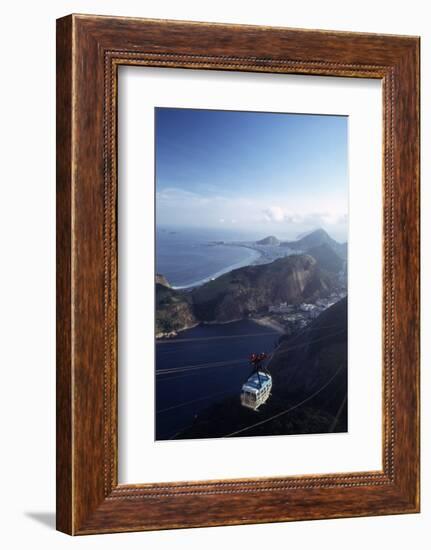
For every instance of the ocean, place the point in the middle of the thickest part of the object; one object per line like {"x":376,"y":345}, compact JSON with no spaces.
{"x":207,"y":363}
{"x":188,"y":257}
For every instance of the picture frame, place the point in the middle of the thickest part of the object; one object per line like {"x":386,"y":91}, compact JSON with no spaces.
{"x":89,"y":51}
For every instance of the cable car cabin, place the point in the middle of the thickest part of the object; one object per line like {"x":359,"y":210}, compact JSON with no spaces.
{"x":256,"y":390}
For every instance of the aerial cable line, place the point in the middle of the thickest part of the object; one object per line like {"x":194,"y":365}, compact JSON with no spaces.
{"x":230,"y":337}
{"x":170,"y":378}
{"x":233,"y":336}
{"x":193,"y":401}
{"x":337,"y":416}
{"x":199,"y":366}
{"x":296,"y":370}
{"x":282,"y":413}
{"x":304,"y":344}
{"x":219,"y":364}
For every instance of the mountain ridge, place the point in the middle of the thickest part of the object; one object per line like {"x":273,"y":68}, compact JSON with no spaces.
{"x":251,"y":289}
{"x":327,"y":258}
{"x":242,"y":293}
{"x":317,"y":237}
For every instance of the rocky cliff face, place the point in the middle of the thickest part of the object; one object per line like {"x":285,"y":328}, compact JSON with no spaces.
{"x":161,"y":280}
{"x":243,"y":292}
{"x":327,"y":258}
{"x":174,"y":311}
{"x":252,"y":289}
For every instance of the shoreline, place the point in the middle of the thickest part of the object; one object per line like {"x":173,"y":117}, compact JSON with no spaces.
{"x":225,"y":270}
{"x":261,"y":321}
{"x":270,"y":323}
{"x":174,"y":333}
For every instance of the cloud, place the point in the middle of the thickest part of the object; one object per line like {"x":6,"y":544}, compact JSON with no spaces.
{"x":274,"y":214}
{"x":284,"y":217}
{"x":327,"y":218}
{"x":279,"y":215}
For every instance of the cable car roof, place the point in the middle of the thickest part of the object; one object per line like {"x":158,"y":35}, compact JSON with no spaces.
{"x":253,"y":382}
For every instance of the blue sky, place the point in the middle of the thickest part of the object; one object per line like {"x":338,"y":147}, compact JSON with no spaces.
{"x":270,"y":172}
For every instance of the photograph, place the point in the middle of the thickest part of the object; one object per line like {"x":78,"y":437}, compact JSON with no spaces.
{"x":251,"y":285}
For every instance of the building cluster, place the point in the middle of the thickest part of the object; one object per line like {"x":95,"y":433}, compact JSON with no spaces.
{"x":297,"y":317}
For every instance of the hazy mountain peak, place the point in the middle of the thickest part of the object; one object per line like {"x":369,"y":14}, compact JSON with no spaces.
{"x":315,"y":239}
{"x":270,"y":240}
{"x":319,"y":231}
